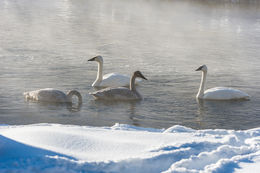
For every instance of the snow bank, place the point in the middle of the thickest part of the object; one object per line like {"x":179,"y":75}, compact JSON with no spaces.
{"x":124,"y":148}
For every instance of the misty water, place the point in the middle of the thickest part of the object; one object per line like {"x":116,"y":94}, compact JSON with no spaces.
{"x":46,"y":44}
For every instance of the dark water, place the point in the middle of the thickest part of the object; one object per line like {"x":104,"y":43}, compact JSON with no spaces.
{"x":46,"y":43}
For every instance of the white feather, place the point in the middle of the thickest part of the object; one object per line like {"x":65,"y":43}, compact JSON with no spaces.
{"x":115,"y":80}
{"x":222,"y":93}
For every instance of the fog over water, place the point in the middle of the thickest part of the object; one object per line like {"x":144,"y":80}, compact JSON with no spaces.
{"x":46,"y":44}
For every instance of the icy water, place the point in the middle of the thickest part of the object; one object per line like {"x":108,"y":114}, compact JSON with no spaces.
{"x":46,"y":43}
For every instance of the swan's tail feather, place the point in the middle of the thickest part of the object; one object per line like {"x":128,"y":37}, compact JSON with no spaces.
{"x":31,"y":95}
{"x":95,"y":95}
{"x":247,"y":97}
{"x":27,"y":95}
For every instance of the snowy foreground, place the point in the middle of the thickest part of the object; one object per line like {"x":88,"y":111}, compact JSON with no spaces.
{"x":124,"y":148}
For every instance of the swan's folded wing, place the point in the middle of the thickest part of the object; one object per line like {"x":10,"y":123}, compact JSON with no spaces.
{"x":52,"y":95}
{"x":115,"y":80}
{"x":46,"y":95}
{"x":223,"y":93}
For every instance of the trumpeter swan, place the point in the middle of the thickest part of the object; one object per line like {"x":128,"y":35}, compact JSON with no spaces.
{"x":52,"y":95}
{"x":218,"y":93}
{"x":108,"y":80}
{"x":120,"y":93}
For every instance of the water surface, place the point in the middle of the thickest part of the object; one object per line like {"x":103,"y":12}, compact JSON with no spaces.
{"x":47,"y":43}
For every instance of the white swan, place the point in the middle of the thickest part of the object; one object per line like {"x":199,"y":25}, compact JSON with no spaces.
{"x":52,"y":95}
{"x":108,"y":80}
{"x":218,"y":93}
{"x":120,"y":93}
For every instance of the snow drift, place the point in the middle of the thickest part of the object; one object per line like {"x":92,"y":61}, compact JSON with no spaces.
{"x":124,"y":148}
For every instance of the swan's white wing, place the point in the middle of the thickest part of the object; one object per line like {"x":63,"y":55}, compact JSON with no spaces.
{"x":120,"y":93}
{"x":116,"y":80}
{"x":46,"y":95}
{"x":222,"y":93}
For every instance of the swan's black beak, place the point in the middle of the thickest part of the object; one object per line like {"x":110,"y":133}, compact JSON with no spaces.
{"x":92,"y":59}
{"x":200,"y":68}
{"x":139,"y":74}
{"x":142,"y":76}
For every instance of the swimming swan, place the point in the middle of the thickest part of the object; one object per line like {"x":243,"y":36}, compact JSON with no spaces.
{"x":108,"y":80}
{"x":218,"y":93}
{"x":120,"y":93}
{"x":52,"y":95}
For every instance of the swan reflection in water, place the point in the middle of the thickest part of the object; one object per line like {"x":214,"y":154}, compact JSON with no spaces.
{"x":71,"y":107}
{"x":129,"y":107}
{"x":215,"y":113}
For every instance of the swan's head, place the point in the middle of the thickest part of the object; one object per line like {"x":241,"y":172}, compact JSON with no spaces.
{"x":139,"y":74}
{"x":76,"y":93}
{"x":97,"y":58}
{"x":202,"y":68}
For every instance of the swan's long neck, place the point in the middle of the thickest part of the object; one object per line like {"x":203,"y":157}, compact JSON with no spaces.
{"x":76,"y":93}
{"x":132,"y":83}
{"x":133,"y":89}
{"x":99,"y":74}
{"x":202,"y":85}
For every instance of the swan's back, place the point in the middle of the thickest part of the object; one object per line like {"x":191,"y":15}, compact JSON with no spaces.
{"x":115,"y":80}
{"x":46,"y":95}
{"x":120,"y":93}
{"x":222,"y":93}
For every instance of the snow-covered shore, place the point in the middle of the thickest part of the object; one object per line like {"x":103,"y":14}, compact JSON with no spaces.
{"x":125,"y":148}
